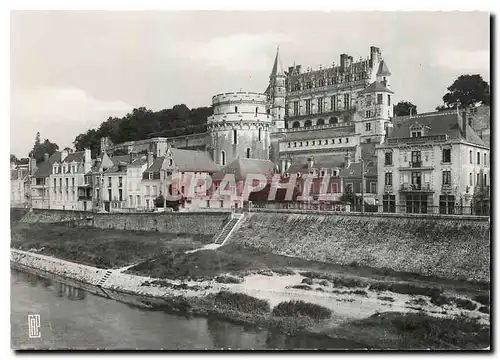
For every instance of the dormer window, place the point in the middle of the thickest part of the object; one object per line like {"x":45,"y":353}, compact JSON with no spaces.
{"x":417,"y":131}
{"x":150,"y":176}
{"x":170,"y":162}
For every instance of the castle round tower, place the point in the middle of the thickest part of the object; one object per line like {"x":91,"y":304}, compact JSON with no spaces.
{"x":239,"y":127}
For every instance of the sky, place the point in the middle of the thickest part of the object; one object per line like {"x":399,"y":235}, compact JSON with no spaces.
{"x":71,"y":70}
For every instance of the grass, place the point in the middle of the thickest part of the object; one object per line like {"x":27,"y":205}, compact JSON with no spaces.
{"x":102,"y":248}
{"x":302,"y":287}
{"x":169,"y":285}
{"x":483,"y":299}
{"x":405,"y":288}
{"x":228,"y":280}
{"x":464,"y":304}
{"x":299,"y":307}
{"x":386,"y":298}
{"x":484,"y":309}
{"x":307,"y":281}
{"x":240,"y":302}
{"x":394,"y":330}
{"x":335,"y":280}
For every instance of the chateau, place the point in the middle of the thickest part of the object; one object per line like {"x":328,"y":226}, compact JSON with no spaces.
{"x":335,"y":121}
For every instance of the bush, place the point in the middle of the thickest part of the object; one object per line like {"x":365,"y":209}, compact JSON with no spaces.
{"x":405,"y":288}
{"x":418,"y":301}
{"x":484,"y":309}
{"x":240,"y":302}
{"x":307,"y":281}
{"x":483,"y":299}
{"x":386,"y":298}
{"x":336,"y":281}
{"x":283,"y":271}
{"x":302,"y":287}
{"x":464,"y":304}
{"x":228,"y":280}
{"x":324,"y":283}
{"x":299,"y":307}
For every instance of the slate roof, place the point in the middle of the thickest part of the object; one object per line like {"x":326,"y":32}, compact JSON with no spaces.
{"x":383,"y":70}
{"x":193,"y":160}
{"x":354,"y":171}
{"x":76,"y":156}
{"x":438,"y":124}
{"x":376,"y":87}
{"x":277,"y":67}
{"x":18,"y":174}
{"x":241,"y":167}
{"x":45,"y":168}
{"x":319,"y":162}
{"x":157,"y":165}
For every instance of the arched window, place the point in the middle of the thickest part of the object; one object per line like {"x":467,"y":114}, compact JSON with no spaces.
{"x":320,"y":122}
{"x":223,"y":157}
{"x":260,"y":134}
{"x":235,"y":109}
{"x":248,"y":153}
{"x":295,"y":124}
{"x":334,"y":120}
{"x":308,"y":123}
{"x":235,"y":137}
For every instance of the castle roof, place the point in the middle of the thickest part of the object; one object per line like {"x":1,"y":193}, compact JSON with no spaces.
{"x":376,"y":87}
{"x":277,"y":67}
{"x":192,"y":160}
{"x":383,"y":70}
{"x":76,"y":156}
{"x":45,"y":167}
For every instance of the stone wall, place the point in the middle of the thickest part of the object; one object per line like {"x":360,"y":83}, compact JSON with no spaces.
{"x":452,"y":247}
{"x":175,"y":223}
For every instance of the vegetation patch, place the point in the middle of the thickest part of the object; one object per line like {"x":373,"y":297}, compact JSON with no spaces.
{"x":335,"y":280}
{"x":240,"y":302}
{"x":299,"y":307}
{"x":307,"y":281}
{"x":484,"y":309}
{"x":464,"y":304}
{"x":386,"y":298}
{"x":483,"y":299}
{"x":228,"y":280}
{"x":405,"y":288}
{"x":302,"y":287}
{"x":169,"y":285}
{"x":283,"y":271}
{"x":417,"y":301}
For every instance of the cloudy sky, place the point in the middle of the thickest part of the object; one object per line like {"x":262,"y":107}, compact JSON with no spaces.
{"x":72,"y":70}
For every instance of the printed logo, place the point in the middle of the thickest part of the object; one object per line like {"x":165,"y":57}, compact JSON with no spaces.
{"x":34,"y":325}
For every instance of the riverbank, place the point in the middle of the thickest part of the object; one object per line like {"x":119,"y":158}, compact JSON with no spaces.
{"x":349,"y":303}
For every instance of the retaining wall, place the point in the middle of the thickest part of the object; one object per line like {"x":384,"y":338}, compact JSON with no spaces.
{"x":176,"y":223}
{"x":452,"y":247}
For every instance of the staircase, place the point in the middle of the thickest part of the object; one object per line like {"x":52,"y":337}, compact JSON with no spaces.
{"x":228,"y":229}
{"x":104,"y":278}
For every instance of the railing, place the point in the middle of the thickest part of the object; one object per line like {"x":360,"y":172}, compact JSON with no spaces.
{"x":416,"y":164}
{"x":416,"y":188}
{"x":388,"y":188}
{"x":84,"y":197}
{"x":419,"y":139}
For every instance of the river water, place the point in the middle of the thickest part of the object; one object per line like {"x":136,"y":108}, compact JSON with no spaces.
{"x":71,"y":318}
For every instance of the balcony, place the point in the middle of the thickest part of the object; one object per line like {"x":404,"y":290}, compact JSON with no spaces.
{"x":417,"y":188}
{"x":84,"y":197}
{"x":446,"y":188}
{"x":388,"y":189}
{"x":414,"y":165}
{"x":419,"y":139}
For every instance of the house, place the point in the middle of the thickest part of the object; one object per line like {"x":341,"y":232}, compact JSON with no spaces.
{"x":69,"y":187}
{"x":433,"y":162}
{"x":19,"y":185}
{"x":40,"y":181}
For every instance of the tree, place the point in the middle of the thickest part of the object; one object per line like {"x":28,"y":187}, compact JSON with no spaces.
{"x":13,"y":159}
{"x":404,"y":108}
{"x":39,"y":149}
{"x":466,"y":91}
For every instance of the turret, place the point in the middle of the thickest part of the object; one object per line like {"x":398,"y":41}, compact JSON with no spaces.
{"x":383,"y":74}
{"x":277,"y":93}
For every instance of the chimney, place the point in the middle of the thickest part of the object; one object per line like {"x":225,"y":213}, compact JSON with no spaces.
{"x":64,"y":154}
{"x":33,"y":166}
{"x":45,"y":157}
{"x":464,"y":123}
{"x":88,"y":155}
{"x":343,"y":62}
{"x":298,"y":67}
{"x":374,"y":55}
{"x":150,"y":159}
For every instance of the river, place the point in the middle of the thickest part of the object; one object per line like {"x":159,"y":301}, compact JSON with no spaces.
{"x":71,"y":318}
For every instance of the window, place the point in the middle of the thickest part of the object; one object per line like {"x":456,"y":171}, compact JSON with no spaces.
{"x":368,"y":114}
{"x":446,"y":204}
{"x":347,"y":104}
{"x":320,"y":122}
{"x":109,"y":194}
{"x":478,"y":158}
{"x":334,"y":120}
{"x":148,"y":192}
{"x":380,"y":99}
{"x":295,"y":108}
{"x":484,"y":181}
{"x":55,"y":184}
{"x":235,"y":109}
{"x":446,"y":155}
{"x":60,"y":184}
{"x":470,"y":122}
{"x":308,"y":123}
{"x":416,"y":180}
{"x":120,"y":194}
{"x":326,"y":141}
{"x":416,"y":204}
{"x":485,"y":158}
{"x":373,"y":187}
{"x":368,"y":126}
{"x":319,"y":142}
{"x":320,"y":105}
{"x":471,"y":182}
{"x":388,"y":158}
{"x":478,"y":179}
{"x":308,"y":106}
{"x":388,"y":178}
{"x":120,"y":181}
{"x":223,"y":157}
{"x":67,"y":184}
{"x":256,"y":111}
{"x":340,"y":141}
{"x":295,"y":144}
{"x":470,"y":156}
{"x":389,"y":203}
{"x":295,"y":125}
{"x":447,"y":177}
{"x":138,"y":197}
{"x":416,"y":134}
{"x":333,"y":105}
{"x":416,"y":158}
{"x":154,"y":190}
{"x":248,"y":153}
{"x":346,"y":140}
{"x":235,"y":137}
{"x":389,"y":100}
